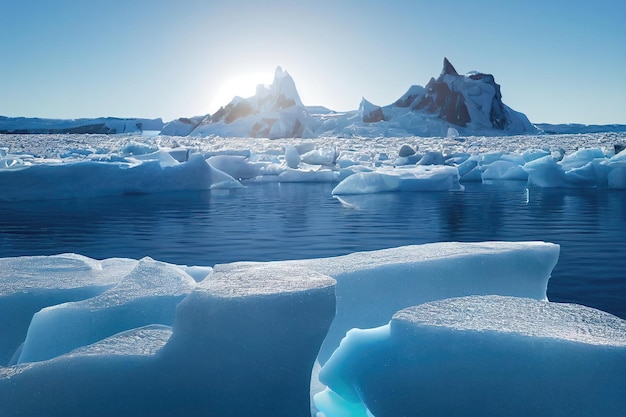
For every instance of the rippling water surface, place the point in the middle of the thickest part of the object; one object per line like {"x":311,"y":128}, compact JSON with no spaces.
{"x":292,"y":221}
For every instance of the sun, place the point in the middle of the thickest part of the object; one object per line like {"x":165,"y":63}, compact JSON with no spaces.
{"x":243,"y":85}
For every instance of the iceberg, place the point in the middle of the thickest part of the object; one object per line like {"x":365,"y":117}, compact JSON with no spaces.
{"x":137,"y":174}
{"x":458,"y":104}
{"x":31,"y":283}
{"x":148,"y":295}
{"x":482,"y":356}
{"x":242,"y":343}
{"x":418,"y":178}
{"x":102,"y":125}
{"x":247,"y":330}
{"x":81,"y":166}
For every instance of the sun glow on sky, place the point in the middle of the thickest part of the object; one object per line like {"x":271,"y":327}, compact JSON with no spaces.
{"x":242,"y":85}
{"x":151,"y":58}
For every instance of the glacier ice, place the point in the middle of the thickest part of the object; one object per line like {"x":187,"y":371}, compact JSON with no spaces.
{"x":148,"y":295}
{"x":483,"y":356}
{"x":242,"y":343}
{"x":31,"y":283}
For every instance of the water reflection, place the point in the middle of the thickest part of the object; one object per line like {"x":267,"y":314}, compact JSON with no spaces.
{"x":294,"y":221}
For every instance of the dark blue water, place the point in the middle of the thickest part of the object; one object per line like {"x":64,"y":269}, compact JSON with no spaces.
{"x":293,"y":221}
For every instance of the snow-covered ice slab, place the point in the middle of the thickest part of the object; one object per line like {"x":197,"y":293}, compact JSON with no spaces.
{"x":253,"y":334}
{"x":30,"y":283}
{"x":413,"y":178}
{"x":158,"y":172}
{"x":243,"y":343}
{"x":149,"y":294}
{"x":483,"y":356}
{"x":117,"y":376}
{"x":372,"y":286}
{"x":583,"y":168}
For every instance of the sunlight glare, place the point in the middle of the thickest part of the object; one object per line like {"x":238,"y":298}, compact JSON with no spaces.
{"x":240,"y":85}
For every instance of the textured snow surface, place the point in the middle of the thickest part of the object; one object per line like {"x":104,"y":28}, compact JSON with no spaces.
{"x":524,"y":317}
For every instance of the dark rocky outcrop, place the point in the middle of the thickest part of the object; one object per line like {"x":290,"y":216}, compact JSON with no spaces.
{"x":370,"y":113}
{"x":233,"y":111}
{"x":406,"y":150}
{"x":415,"y":92}
{"x":446,"y":97}
{"x":448,"y":68}
{"x":497,"y":115}
{"x":275,"y":111}
{"x":448,"y":104}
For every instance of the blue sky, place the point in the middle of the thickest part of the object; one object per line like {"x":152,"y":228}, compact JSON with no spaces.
{"x":557,"y":61}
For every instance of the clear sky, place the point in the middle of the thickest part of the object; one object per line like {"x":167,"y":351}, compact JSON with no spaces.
{"x":558,"y":61}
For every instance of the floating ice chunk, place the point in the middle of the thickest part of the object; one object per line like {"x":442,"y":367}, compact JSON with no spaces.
{"x":276,"y":315}
{"x":401,"y":277}
{"x":468,"y":167}
{"x":250,"y":333}
{"x":419,"y":178}
{"x":292,"y":157}
{"x":367,"y":183}
{"x":372,"y":286}
{"x":12,"y":162}
{"x":30,"y":283}
{"x":136,"y":148}
{"x":148,"y":295}
{"x":621,"y":156}
{"x":431,"y":158}
{"x":221,"y":180}
{"x":117,"y":376}
{"x":532,"y":154}
{"x":408,"y":160}
{"x":452,"y":133}
{"x":162,"y":156}
{"x":158,"y":173}
{"x":179,"y":154}
{"x":580,"y":158}
{"x":504,"y":170}
{"x":236,"y":166}
{"x":616,"y":179}
{"x":304,"y":175}
{"x":324,"y":156}
{"x":406,"y":150}
{"x":486,"y":356}
{"x":582,"y":169}
{"x":545,"y":172}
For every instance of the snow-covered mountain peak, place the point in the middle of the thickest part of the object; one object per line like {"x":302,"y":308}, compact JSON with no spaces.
{"x":284,"y":88}
{"x":470,"y":104}
{"x":274,"y":111}
{"x":472,"y":101}
{"x":448,"y":68}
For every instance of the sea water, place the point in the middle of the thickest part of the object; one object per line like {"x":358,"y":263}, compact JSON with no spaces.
{"x":265,"y":222}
